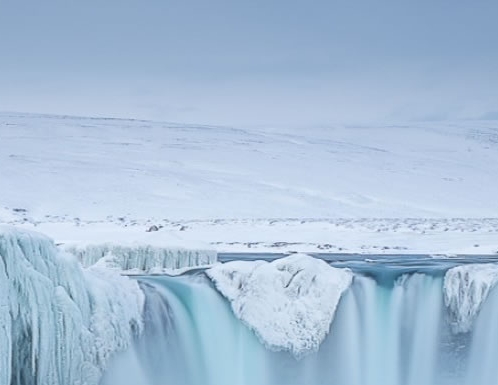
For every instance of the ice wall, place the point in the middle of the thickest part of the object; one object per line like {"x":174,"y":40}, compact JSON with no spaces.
{"x":59,"y":323}
{"x":141,"y":258}
{"x":466,"y":288}
{"x":289,"y":303}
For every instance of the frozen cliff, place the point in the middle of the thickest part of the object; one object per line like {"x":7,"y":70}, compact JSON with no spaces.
{"x":60,"y":323}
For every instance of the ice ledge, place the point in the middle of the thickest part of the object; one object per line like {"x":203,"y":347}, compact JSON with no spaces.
{"x":465,"y":291}
{"x":141,"y":258}
{"x":130,"y":249}
{"x":289,"y":303}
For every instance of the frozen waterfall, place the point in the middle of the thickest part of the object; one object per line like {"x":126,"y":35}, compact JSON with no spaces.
{"x":396,"y":331}
{"x":141,"y":258}
{"x":60,"y":324}
{"x":295,"y":321}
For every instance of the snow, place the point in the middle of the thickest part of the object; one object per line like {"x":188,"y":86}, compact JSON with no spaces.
{"x":289,"y":303}
{"x":7,"y":215}
{"x":426,"y":187}
{"x":91,"y":168}
{"x":477,"y":236}
{"x":363,"y":235}
{"x":59,"y":323}
{"x":466,"y":288}
{"x":129,"y":249}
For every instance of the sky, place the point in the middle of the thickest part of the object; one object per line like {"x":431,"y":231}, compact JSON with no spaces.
{"x":256,"y":62}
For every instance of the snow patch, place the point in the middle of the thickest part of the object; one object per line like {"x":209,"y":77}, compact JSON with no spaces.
{"x":465,"y":290}
{"x":6,"y":215}
{"x":289,"y":303}
{"x":59,"y":323}
{"x":138,"y":258}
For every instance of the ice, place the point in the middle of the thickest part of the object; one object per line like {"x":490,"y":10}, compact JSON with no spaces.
{"x":141,"y":258}
{"x":289,"y":303}
{"x":59,"y":323}
{"x":466,"y":288}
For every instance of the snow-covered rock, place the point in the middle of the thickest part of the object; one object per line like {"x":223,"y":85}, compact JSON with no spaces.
{"x":466,"y":288}
{"x":59,"y":323}
{"x":141,"y":257}
{"x":289,"y":303}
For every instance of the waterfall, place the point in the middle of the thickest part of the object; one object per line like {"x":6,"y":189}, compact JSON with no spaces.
{"x":385,"y":332}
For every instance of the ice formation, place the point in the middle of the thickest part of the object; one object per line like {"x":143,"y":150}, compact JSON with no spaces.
{"x":466,"y":288}
{"x":59,"y":323}
{"x":289,"y":303}
{"x":141,"y":258}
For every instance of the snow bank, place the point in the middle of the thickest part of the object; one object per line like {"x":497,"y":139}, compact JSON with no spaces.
{"x":465,"y":290}
{"x":141,"y":258}
{"x":59,"y":323}
{"x":289,"y":303}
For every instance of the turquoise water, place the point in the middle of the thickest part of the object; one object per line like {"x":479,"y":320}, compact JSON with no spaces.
{"x":391,"y":328}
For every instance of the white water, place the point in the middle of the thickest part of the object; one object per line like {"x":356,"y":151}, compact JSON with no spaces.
{"x":395,"y":333}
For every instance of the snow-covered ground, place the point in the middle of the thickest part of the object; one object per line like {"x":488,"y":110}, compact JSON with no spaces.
{"x":254,"y":189}
{"x":377,"y":236}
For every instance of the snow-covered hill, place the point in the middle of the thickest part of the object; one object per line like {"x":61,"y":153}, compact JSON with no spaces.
{"x":93,"y":168}
{"x":225,"y":185}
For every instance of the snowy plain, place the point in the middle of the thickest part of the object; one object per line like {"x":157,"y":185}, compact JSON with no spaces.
{"x":426,"y":187}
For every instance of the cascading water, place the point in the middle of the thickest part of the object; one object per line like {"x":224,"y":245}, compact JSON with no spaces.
{"x":393,"y":326}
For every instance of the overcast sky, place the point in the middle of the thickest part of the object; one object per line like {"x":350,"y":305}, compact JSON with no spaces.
{"x":251,"y":62}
